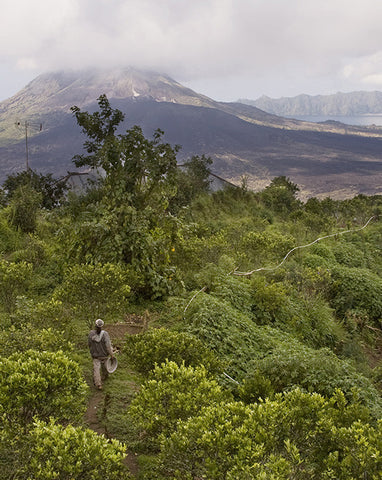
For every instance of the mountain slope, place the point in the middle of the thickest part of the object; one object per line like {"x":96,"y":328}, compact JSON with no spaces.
{"x":331,"y":159}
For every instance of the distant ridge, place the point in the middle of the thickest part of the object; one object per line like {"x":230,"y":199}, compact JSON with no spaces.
{"x":338,"y":104}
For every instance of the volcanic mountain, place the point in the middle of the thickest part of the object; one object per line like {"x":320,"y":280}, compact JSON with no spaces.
{"x":328,"y":159}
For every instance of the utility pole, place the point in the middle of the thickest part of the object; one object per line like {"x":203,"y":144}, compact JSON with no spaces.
{"x":26,"y":126}
{"x":26,"y":146}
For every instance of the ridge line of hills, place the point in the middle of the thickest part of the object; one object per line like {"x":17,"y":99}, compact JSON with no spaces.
{"x":338,"y":104}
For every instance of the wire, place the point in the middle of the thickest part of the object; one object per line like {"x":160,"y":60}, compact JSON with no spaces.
{"x":270,"y":269}
{"x":232,"y":379}
{"x":197,"y":293}
{"x":235,"y":272}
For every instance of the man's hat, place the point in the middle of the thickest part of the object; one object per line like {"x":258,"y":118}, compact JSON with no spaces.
{"x":111,"y":364}
{"x":99,"y":323}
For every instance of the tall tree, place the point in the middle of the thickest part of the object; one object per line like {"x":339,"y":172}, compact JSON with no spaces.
{"x":142,"y":171}
{"x":281,"y":195}
{"x":139,"y":180}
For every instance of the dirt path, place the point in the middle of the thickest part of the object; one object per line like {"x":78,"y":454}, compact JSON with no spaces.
{"x":134,"y":324}
{"x":91,"y":415}
{"x":95,"y":404}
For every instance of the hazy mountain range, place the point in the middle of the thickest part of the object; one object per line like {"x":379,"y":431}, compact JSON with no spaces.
{"x":243,"y":140}
{"x":339,"y":104}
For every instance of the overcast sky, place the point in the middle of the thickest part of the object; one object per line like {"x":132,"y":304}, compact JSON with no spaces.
{"x":226,"y":49}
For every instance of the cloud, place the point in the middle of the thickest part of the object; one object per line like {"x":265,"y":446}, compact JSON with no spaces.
{"x":375,"y":79}
{"x":277,"y":44}
{"x":366,"y":71}
{"x":28,"y":25}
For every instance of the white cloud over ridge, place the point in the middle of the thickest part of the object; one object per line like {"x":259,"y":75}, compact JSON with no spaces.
{"x":231,"y":47}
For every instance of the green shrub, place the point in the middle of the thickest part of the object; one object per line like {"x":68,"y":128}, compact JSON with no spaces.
{"x":15,"y":279}
{"x":235,"y":290}
{"x":172,"y":393}
{"x":269,"y":246}
{"x":349,"y":255}
{"x":24,"y":208}
{"x":291,"y":436}
{"x":312,"y":321}
{"x":269,"y":301}
{"x":307,"y":278}
{"x":232,"y":335}
{"x":255,"y":387}
{"x":45,"y":314}
{"x":318,"y":371}
{"x":266,"y":302}
{"x":323,"y":250}
{"x":10,"y":239}
{"x":33,"y":251}
{"x":358,"y":452}
{"x":209,"y":443}
{"x":158,"y":345}
{"x":194,"y":252}
{"x":41,"y":384}
{"x":59,"y":452}
{"x":280,"y":196}
{"x":28,"y":337}
{"x":51,"y":190}
{"x":94,"y":291}
{"x":275,"y":355}
{"x":314,"y":261}
{"x":357,"y":289}
{"x":315,"y":219}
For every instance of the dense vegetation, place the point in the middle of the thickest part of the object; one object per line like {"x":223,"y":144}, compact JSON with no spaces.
{"x":254,"y":365}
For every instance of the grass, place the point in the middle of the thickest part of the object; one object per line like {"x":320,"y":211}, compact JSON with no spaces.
{"x":119,"y":389}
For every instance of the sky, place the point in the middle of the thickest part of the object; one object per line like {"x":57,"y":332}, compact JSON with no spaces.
{"x":226,"y":49}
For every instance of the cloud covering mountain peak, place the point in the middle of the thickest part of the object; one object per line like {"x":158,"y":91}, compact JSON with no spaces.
{"x":224,"y":48}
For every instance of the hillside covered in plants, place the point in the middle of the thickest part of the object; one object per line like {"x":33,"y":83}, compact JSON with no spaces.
{"x":259,"y":353}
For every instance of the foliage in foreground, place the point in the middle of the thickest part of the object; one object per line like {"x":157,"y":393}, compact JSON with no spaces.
{"x":41,"y":385}
{"x":294,"y":435}
{"x":297,"y":435}
{"x":172,"y":392}
{"x":53,"y":451}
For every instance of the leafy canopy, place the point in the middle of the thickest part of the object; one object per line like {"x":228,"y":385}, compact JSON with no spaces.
{"x":132,"y":222}
{"x":41,"y":384}
{"x":135,"y":167}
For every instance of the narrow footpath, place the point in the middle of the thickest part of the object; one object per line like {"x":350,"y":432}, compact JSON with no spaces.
{"x":134,"y":324}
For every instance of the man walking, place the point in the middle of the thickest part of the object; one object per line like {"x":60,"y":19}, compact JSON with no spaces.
{"x":100,"y":349}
